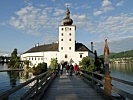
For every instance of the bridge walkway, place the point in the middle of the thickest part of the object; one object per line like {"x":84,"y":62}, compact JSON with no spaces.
{"x":70,"y":88}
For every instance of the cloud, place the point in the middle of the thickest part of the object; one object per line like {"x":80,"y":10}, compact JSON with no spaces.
{"x":116,"y":26}
{"x":49,"y":38}
{"x":106,"y":3}
{"x":35,"y":21}
{"x":120,"y":3}
{"x":119,"y":45}
{"x":96,"y":13}
{"x":58,"y":12}
{"x":113,"y":27}
{"x":105,"y":7}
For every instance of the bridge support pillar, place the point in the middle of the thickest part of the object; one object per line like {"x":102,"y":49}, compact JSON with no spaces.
{"x":107,"y":85}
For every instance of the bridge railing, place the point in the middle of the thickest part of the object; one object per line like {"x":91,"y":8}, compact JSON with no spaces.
{"x":35,"y":92}
{"x":97,"y":80}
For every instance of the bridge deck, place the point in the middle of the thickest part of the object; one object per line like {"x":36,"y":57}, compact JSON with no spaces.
{"x":70,"y":88}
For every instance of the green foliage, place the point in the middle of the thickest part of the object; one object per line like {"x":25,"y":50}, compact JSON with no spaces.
{"x":27,"y":63}
{"x":14,"y":54}
{"x":15,"y":61}
{"x":53,"y":63}
{"x":87,"y":64}
{"x":40,"y":68}
{"x":120,"y":54}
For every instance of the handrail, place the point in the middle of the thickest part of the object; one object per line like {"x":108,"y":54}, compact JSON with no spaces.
{"x":118,"y":91}
{"x":7,"y":70}
{"x":46,"y":77}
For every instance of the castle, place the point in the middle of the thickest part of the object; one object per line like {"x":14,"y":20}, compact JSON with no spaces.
{"x":66,"y":50}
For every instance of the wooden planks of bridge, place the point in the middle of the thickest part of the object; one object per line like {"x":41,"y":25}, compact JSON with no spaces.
{"x":70,"y":88}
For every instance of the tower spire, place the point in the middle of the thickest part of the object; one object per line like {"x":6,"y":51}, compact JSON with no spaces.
{"x":67,"y":20}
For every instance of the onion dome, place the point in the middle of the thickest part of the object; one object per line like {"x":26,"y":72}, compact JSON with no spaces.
{"x":67,"y":20}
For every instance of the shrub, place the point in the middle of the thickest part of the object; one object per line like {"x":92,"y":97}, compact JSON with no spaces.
{"x":87,"y":64}
{"x":40,"y":68}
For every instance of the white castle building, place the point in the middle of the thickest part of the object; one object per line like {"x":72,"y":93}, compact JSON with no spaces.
{"x":66,"y":50}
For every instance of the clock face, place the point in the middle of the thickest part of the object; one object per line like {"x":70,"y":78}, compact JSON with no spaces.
{"x":67,"y":28}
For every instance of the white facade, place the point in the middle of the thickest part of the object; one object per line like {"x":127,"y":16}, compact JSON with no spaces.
{"x":66,"y":50}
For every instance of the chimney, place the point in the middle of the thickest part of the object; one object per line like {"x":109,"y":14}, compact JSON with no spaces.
{"x":92,"y":46}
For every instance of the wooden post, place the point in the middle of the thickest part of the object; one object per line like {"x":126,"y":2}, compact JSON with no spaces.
{"x":107,"y":78}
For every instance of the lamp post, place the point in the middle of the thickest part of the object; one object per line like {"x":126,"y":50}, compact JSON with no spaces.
{"x":107,"y":78}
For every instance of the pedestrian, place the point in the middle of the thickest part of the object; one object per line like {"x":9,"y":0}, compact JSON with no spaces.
{"x":67,"y":69}
{"x":61,"y":69}
{"x":71,"y":69}
{"x":76,"y":69}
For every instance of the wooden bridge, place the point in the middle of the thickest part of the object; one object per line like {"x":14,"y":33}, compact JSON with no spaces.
{"x":50,"y":86}
{"x":70,"y":88}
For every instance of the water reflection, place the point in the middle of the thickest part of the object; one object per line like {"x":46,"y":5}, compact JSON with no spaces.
{"x":122,"y":71}
{"x":123,"y":67}
{"x":12,"y":78}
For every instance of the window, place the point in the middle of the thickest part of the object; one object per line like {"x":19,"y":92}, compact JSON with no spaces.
{"x":32,"y":58}
{"x":69,"y":48}
{"x":38,"y":58}
{"x":80,"y":55}
{"x":65,"y":55}
{"x":62,"y":29}
{"x":61,"y":48}
{"x":41,"y":58}
{"x":62,"y":34}
{"x":69,"y":39}
{"x":35,"y":58}
{"x":29,"y":58}
{"x":61,"y":39}
{"x":69,"y":34}
{"x":70,"y":28}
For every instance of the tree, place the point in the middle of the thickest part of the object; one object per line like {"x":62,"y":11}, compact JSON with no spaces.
{"x":53,"y":63}
{"x":14,"y":54}
{"x":98,"y":63}
{"x":87,"y":64}
{"x":27,"y":63}
{"x":40,"y":68}
{"x":14,"y":61}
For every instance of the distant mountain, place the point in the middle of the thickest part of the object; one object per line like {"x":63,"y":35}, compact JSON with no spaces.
{"x":120,"y":54}
{"x":5,"y":53}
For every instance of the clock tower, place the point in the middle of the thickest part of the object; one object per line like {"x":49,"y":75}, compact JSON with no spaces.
{"x":67,"y":36}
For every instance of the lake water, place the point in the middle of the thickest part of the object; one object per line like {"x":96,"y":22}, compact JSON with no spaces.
{"x":124,"y":72}
{"x":11,"y":79}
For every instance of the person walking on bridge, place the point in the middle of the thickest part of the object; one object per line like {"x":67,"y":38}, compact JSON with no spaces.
{"x":71,"y":69}
{"x":76,"y":69}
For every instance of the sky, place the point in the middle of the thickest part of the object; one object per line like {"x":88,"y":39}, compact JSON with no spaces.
{"x":24,"y":23}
